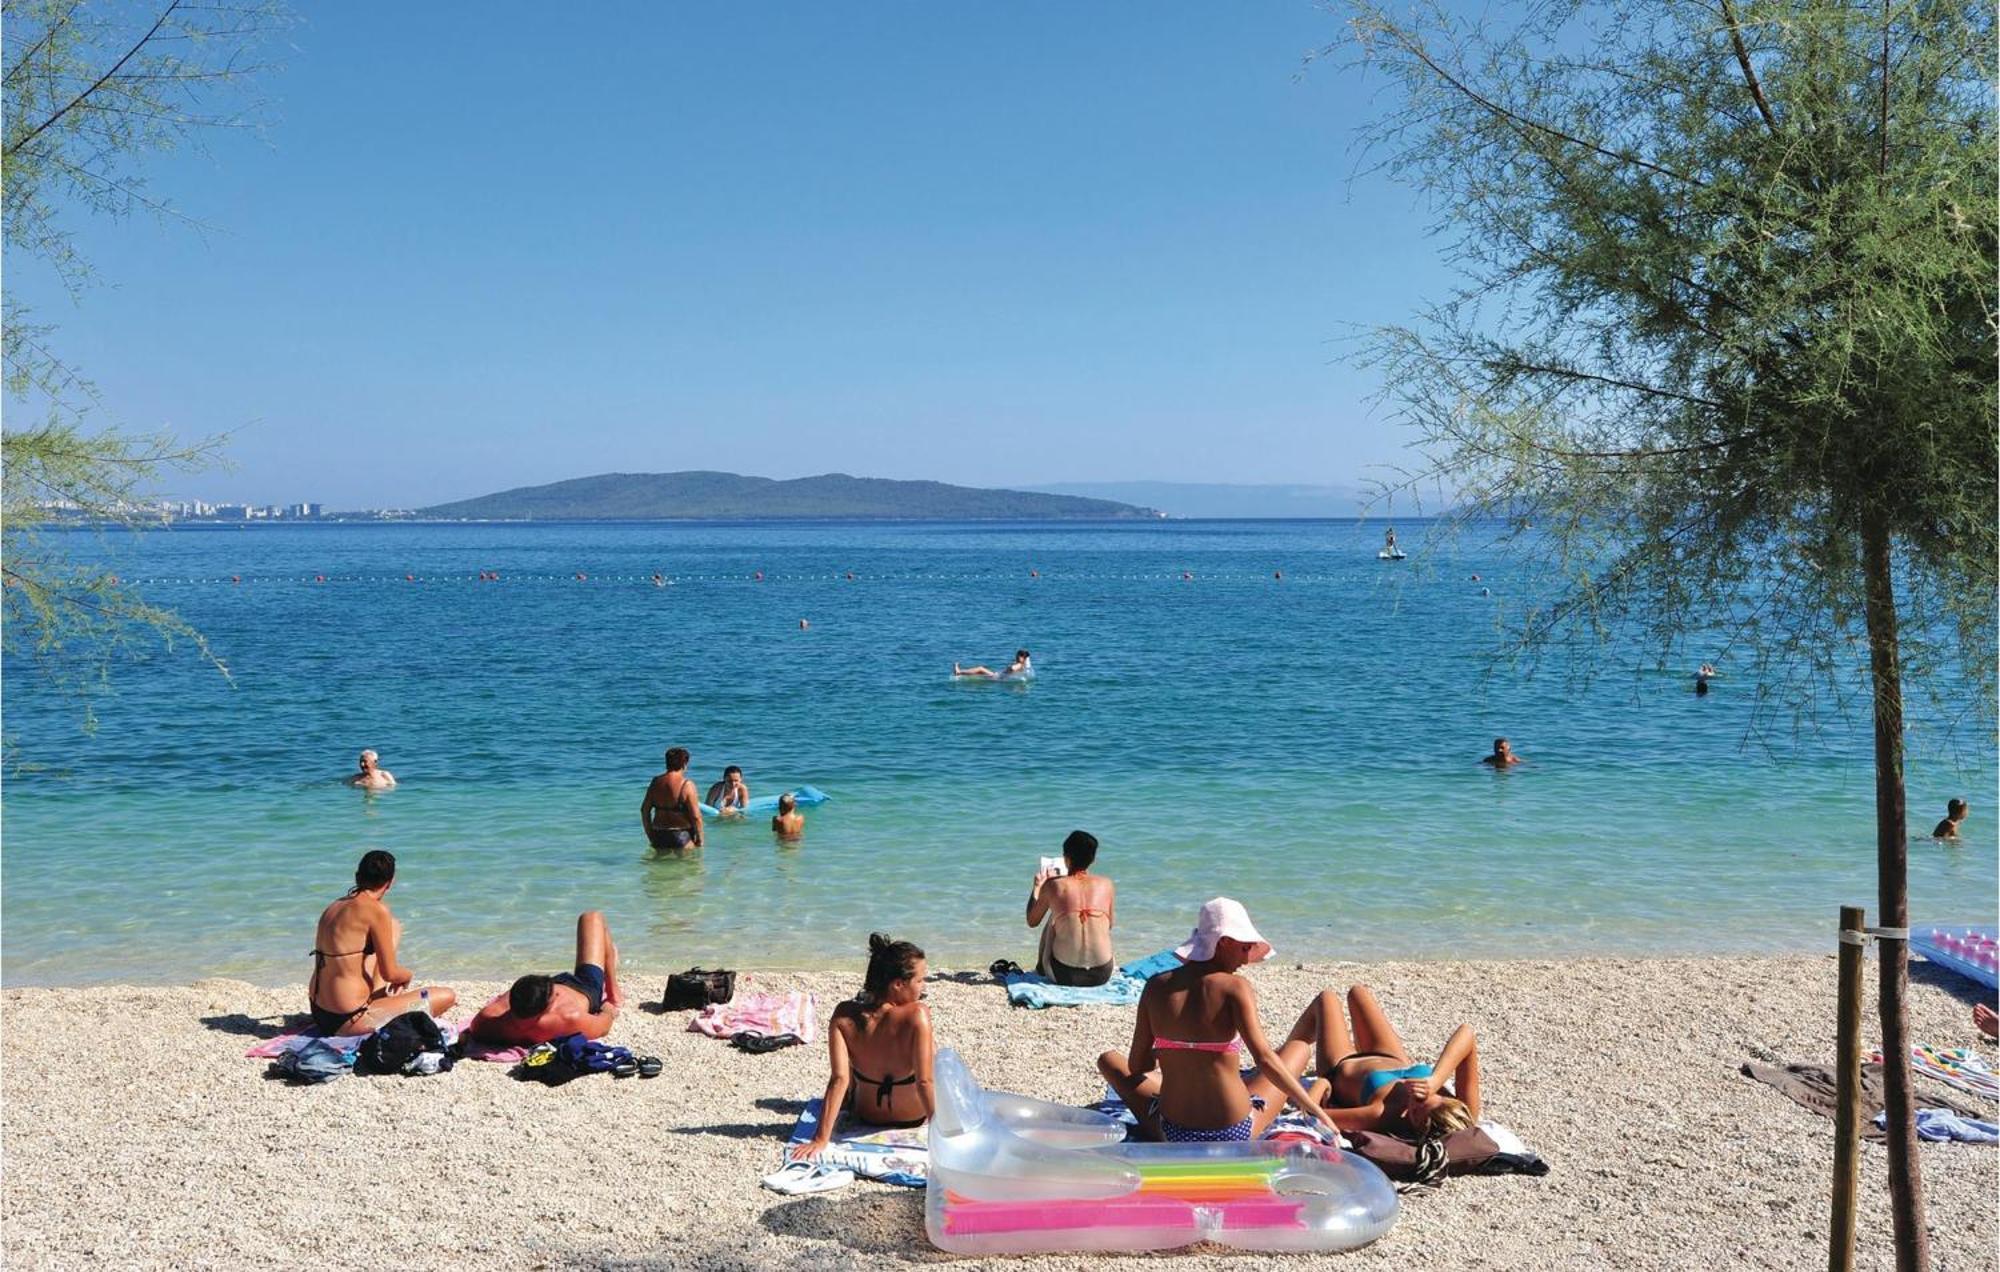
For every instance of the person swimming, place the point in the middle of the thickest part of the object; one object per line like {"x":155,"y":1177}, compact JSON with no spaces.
{"x":1180,"y":1076}
{"x":1954,"y":813}
{"x":789,"y":822}
{"x":1701,"y":679}
{"x":729,"y":795}
{"x":357,"y":985}
{"x":1020,"y":669}
{"x":670,"y":814}
{"x":1376,"y":1086}
{"x":584,"y":1000}
{"x":886,"y":1031}
{"x":369,"y":776}
{"x":1078,"y":905}
{"x":1503,"y":755}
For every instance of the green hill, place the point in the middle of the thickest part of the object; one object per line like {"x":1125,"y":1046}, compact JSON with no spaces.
{"x":728,"y":497}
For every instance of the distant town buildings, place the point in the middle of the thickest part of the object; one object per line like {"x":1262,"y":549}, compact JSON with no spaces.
{"x":203,"y":510}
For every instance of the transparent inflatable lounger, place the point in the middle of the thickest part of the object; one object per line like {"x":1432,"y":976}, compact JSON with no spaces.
{"x":1010,"y":1175}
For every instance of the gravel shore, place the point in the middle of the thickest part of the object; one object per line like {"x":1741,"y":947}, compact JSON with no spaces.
{"x":137,"y":1135}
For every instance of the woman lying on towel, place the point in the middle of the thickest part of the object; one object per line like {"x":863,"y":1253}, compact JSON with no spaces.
{"x":879,"y":1045}
{"x":1197,"y":1023}
{"x":1377,"y":1087}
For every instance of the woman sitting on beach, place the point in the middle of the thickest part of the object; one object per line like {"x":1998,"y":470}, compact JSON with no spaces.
{"x":356,"y":984}
{"x":1076,"y":942}
{"x":1377,"y":1087}
{"x":879,"y":1046}
{"x":1193,"y":1024}
{"x":1020,"y":669}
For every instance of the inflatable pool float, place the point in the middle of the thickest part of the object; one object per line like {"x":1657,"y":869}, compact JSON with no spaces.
{"x":765,"y":805}
{"x":1969,"y":951}
{"x":1010,"y":1175}
{"x":1391,"y":554}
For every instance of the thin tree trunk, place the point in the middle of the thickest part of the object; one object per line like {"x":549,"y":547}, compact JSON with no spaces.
{"x":1906,"y":1187}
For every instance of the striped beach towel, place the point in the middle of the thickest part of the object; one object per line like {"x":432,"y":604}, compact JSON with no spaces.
{"x":1955,"y":1066}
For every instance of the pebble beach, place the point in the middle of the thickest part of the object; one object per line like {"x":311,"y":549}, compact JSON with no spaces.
{"x":139,"y":1136}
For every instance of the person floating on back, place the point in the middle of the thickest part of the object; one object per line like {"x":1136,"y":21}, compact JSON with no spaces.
{"x":543,"y":1008}
{"x":729,"y":795}
{"x":1020,"y":669}
{"x":1954,"y":813}
{"x":1076,"y":942}
{"x":879,"y":1047}
{"x":357,"y":985}
{"x":670,"y":813}
{"x":1503,"y":755}
{"x":789,"y":823}
{"x":370,"y":777}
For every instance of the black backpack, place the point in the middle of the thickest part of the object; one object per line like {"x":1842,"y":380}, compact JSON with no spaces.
{"x":697,"y":987}
{"x":397,"y":1043}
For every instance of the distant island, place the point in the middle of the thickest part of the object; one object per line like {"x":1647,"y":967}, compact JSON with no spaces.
{"x":1212,"y":499}
{"x":709,"y":496}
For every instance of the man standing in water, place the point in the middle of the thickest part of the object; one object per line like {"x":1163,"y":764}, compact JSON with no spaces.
{"x":1503,"y":755}
{"x":370,"y":777}
{"x":1954,"y":813}
{"x":670,"y":813}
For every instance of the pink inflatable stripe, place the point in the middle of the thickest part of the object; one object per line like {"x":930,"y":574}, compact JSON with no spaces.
{"x":963,"y":1217}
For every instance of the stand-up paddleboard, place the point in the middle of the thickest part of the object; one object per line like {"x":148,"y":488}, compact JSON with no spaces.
{"x":1391,"y":554}
{"x":805,"y":796}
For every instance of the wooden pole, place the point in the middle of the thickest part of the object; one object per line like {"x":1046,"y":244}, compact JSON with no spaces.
{"x":1847,"y":1093}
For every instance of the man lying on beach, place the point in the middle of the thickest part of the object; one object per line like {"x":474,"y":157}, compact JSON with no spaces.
{"x":670,"y":813}
{"x":1019,"y":668}
{"x":1503,"y":755}
{"x":789,"y":823}
{"x":544,"y":1008}
{"x":357,"y":985}
{"x":369,"y":777}
{"x":729,"y":795}
{"x":1954,"y":813}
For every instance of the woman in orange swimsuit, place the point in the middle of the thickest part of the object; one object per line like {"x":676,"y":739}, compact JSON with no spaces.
{"x":1182,"y":1076}
{"x":1076,"y":943}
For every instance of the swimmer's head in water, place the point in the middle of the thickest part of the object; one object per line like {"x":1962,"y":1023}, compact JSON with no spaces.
{"x":787,"y":804}
{"x":732,"y":772}
{"x":895,"y":970}
{"x":1955,"y":809}
{"x":1500,"y":746}
{"x":367,"y":760}
{"x":1020,"y":655}
{"x":677,"y":759}
{"x":530,"y":996}
{"x":376,"y":870}
{"x":1080,"y":849}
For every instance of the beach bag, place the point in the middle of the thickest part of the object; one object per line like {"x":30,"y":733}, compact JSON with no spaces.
{"x":392,"y":1047}
{"x":317,"y":1061}
{"x":1470,"y":1151}
{"x":698,"y":987}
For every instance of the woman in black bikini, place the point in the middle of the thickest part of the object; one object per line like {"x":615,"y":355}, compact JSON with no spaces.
{"x":884,"y":1032}
{"x":356,"y":984}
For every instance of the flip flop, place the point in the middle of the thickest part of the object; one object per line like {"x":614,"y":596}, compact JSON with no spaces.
{"x":799,"y":1178}
{"x":650,"y":1066}
{"x":625,"y":1069}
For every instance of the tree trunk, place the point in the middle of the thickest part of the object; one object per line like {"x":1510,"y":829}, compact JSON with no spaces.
{"x":1892,"y":882}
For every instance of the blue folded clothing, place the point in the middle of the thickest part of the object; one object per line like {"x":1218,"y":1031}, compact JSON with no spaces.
{"x":1025,"y":989}
{"x":1152,"y":965}
{"x":1943,"y":1124}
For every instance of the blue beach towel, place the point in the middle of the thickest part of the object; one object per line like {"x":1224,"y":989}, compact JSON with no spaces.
{"x":899,"y":1156}
{"x":1025,"y":989}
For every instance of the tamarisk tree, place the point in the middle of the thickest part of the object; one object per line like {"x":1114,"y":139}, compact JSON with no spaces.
{"x":1725,"y":339}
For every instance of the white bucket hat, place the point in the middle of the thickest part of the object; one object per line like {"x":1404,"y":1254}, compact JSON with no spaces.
{"x":1219,"y":918}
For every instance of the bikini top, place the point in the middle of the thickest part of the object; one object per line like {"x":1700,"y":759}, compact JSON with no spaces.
{"x":1219,"y":1048}
{"x":885,"y":1088}
{"x":1375,"y":1079}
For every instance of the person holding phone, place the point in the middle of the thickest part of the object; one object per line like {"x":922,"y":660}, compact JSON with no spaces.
{"x":1077,"y":905}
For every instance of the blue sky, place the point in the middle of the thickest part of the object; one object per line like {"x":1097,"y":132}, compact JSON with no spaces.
{"x":482,"y":246}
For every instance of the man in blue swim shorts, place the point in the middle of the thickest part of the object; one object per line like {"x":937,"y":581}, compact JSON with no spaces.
{"x":543,"y":1008}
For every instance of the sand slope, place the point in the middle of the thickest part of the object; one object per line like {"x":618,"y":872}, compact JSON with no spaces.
{"x":137,"y":1136}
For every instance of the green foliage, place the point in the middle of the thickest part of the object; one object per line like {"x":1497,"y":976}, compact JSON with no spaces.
{"x":90,"y":89}
{"x":1729,"y":296}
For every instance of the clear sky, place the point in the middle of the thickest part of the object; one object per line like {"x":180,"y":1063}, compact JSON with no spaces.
{"x":482,"y":246}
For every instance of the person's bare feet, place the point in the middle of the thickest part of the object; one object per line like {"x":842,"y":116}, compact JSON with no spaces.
{"x":1986,"y":1021}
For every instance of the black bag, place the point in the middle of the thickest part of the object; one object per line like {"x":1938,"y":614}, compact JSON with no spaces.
{"x":698,"y":987}
{"x":397,"y":1043}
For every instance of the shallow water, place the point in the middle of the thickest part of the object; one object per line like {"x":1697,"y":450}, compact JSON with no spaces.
{"x":1308,"y":745}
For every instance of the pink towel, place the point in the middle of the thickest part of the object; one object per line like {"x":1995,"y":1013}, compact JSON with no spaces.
{"x":756,"y":1012}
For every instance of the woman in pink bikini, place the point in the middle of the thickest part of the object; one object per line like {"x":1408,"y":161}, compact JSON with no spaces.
{"x":1076,"y":943}
{"x":1197,"y":1023}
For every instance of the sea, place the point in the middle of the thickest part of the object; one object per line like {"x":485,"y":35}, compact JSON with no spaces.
{"x":1262,"y":710}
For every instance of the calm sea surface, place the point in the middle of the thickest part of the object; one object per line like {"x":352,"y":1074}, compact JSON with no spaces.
{"x":1308,"y":745}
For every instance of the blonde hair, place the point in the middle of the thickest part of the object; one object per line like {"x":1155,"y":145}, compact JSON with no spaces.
{"x":1449,"y":1115}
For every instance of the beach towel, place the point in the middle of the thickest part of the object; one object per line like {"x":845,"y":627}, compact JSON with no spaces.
{"x":1955,"y":1066}
{"x":762,"y":1014}
{"x":1939,"y":1125}
{"x":1025,"y":989}
{"x":1812,"y":1086}
{"x":272,"y":1048}
{"x":900,"y":1156}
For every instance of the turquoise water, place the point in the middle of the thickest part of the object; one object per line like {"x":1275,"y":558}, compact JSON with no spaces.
{"x":1308,"y":745}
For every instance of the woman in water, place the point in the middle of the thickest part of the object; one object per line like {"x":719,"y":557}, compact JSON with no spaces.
{"x":1377,"y":1087}
{"x":1076,"y":944}
{"x":356,"y":983}
{"x":1195,"y":1021}
{"x":879,"y":1046}
{"x":1016,"y":670}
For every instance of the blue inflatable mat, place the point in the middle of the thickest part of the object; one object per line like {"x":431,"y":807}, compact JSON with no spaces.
{"x":765,"y":805}
{"x":1921,"y":943}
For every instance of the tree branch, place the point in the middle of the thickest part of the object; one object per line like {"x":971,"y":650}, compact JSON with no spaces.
{"x":1749,"y":75}
{"x":101,"y":80}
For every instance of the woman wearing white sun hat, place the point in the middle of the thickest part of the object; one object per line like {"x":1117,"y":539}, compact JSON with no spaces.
{"x":1181,"y":1077}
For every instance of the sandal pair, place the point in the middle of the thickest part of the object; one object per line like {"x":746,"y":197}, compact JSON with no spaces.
{"x":643,"y":1067}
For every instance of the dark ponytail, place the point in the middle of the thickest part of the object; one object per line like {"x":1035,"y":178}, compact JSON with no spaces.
{"x":888,"y":962}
